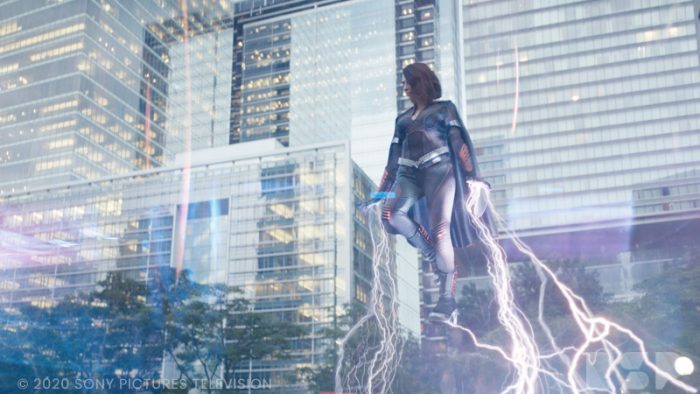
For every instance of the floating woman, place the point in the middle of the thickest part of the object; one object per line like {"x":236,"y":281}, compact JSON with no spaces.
{"x":431,"y":158}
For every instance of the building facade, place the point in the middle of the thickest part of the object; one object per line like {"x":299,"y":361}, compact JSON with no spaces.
{"x":318,"y":72}
{"x":584,"y":120}
{"x":96,"y":88}
{"x":574,"y":105}
{"x":127,"y":95}
{"x":278,"y":224}
{"x":584,"y":117}
{"x":312,"y":71}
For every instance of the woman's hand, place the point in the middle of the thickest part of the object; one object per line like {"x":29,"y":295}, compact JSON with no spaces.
{"x":375,"y":198}
{"x":480,"y":179}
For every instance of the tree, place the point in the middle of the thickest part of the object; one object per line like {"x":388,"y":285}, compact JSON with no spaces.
{"x":211,"y":330}
{"x":412,"y":373}
{"x":125,"y":327}
{"x":482,"y":371}
{"x":669,"y":310}
{"x":58,"y":341}
{"x":133,"y":337}
{"x":321,"y":377}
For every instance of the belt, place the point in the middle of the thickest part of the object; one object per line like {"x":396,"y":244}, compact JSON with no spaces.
{"x":431,"y":157}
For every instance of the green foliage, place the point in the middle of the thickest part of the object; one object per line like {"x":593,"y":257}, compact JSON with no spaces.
{"x":669,"y":310}
{"x":527,"y":285}
{"x":412,"y":373}
{"x":126,"y":327}
{"x":484,"y":371}
{"x":321,"y":377}
{"x":477,"y":309}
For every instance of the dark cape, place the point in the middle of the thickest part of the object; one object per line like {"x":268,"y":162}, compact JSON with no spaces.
{"x":462,"y":229}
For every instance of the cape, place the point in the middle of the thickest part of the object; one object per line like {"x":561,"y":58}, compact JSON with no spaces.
{"x":462,"y":230}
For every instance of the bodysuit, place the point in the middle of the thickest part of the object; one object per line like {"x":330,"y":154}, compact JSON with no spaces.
{"x":430,"y":157}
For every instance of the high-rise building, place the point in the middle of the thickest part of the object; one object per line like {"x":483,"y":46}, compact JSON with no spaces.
{"x":331,"y":70}
{"x":573,"y":105}
{"x":262,"y":67}
{"x":429,"y":31}
{"x":584,"y":116}
{"x":320,"y":72}
{"x":110,"y":92}
{"x":96,"y":88}
{"x":200,"y":73}
{"x":279,"y":224}
{"x":313,"y":71}
{"x":584,"y":120}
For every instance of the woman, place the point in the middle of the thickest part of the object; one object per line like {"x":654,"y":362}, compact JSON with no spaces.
{"x":430,"y":156}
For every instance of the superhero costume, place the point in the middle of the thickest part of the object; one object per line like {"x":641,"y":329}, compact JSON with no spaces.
{"x":431,"y":158}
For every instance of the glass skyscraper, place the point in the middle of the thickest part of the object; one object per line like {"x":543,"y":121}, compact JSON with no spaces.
{"x":314,"y":71}
{"x":576,"y":105}
{"x":96,"y":88}
{"x":584,"y":117}
{"x":102,"y":101}
{"x":262,"y":67}
{"x":325,"y":73}
{"x":280,"y":227}
{"x":584,"y":120}
{"x":331,"y":70}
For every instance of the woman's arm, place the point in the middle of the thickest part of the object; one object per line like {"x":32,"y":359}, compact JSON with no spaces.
{"x":461,"y":147}
{"x":392,"y":164}
{"x":458,"y":138}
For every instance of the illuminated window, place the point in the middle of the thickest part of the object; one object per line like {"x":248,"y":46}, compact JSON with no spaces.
{"x":51,"y":164}
{"x":59,"y":106}
{"x":62,"y":143}
{"x":360,"y":294}
{"x":7,"y":118}
{"x":42,"y":37}
{"x":56,"y":52}
{"x":84,"y":66}
{"x":9,"y":28}
{"x":8,"y":68}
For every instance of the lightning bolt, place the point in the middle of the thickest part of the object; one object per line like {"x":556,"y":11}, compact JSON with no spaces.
{"x":524,"y":355}
{"x":373,"y":364}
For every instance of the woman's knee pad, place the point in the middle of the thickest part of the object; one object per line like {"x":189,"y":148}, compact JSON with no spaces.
{"x":393,"y":220}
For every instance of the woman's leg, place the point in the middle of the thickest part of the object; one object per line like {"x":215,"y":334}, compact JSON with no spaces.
{"x":395,"y":214}
{"x":439,"y":187}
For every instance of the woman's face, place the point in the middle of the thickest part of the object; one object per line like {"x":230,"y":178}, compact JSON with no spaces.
{"x":406,"y":88}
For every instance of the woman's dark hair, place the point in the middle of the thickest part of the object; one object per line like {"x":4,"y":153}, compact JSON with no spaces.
{"x":425,"y":85}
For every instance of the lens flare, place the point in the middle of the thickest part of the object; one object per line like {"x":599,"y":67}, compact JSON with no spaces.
{"x":516,"y":95}
{"x":181,"y":229}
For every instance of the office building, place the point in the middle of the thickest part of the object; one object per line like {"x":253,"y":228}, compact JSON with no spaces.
{"x":96,"y":88}
{"x":584,"y":119}
{"x":326,"y":70}
{"x":279,"y":224}
{"x":574,"y":105}
{"x":146,"y":85}
{"x":320,"y":72}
